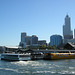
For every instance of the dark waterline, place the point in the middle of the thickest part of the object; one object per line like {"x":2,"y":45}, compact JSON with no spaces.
{"x":39,"y":67}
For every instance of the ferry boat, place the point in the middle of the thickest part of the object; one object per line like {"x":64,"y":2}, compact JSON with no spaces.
{"x":37,"y":56}
{"x":15,"y":57}
{"x":55,"y":56}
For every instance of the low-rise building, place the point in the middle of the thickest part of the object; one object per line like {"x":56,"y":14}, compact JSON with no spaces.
{"x":42,"y":42}
{"x":69,"y":46}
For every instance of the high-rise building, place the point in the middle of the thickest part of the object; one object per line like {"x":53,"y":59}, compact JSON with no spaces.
{"x":23,"y":36}
{"x":55,"y":40}
{"x":22,"y":43}
{"x":27,"y":40}
{"x":42,"y":42}
{"x":34,"y":40}
{"x":67,"y":33}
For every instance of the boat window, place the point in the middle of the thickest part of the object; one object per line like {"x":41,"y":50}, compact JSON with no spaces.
{"x":23,"y":55}
{"x":12,"y":55}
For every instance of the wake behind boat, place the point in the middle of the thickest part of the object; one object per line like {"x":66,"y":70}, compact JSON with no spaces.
{"x":15,"y":57}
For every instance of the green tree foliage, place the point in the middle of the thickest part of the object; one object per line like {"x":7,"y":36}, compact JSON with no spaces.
{"x":42,"y":47}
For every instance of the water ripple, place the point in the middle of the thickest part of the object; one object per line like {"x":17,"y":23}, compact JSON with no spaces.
{"x":40,"y":67}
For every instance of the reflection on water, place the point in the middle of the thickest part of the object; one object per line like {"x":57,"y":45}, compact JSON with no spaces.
{"x":39,"y":67}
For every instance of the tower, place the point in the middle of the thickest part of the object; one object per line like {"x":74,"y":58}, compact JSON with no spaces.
{"x":23,"y":36}
{"x":67,"y":33}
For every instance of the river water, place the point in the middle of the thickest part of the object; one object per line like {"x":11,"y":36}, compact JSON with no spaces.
{"x":38,"y":67}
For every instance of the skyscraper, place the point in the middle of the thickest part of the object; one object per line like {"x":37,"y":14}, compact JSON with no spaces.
{"x":23,"y":36}
{"x":67,"y":33}
{"x":22,"y":43}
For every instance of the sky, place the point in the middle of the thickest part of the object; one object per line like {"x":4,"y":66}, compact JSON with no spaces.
{"x":43,"y":18}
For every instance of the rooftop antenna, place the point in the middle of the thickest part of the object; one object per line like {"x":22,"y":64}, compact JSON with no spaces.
{"x":67,"y":14}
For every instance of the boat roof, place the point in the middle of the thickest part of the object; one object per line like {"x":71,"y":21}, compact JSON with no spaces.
{"x":12,"y":54}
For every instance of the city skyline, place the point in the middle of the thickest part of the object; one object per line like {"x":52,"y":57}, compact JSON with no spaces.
{"x":42,"y":18}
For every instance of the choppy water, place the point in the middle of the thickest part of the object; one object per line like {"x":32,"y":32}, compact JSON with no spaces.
{"x":39,"y":67}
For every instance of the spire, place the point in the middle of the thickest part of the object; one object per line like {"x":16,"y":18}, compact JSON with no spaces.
{"x":67,"y":15}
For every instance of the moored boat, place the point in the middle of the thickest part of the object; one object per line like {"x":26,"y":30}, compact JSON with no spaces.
{"x":55,"y":56}
{"x":15,"y":57}
{"x":37,"y":56}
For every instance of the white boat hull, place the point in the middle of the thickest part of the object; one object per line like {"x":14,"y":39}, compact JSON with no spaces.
{"x":15,"y":57}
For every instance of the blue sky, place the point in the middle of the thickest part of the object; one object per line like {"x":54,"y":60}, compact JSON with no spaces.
{"x":35,"y":17}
